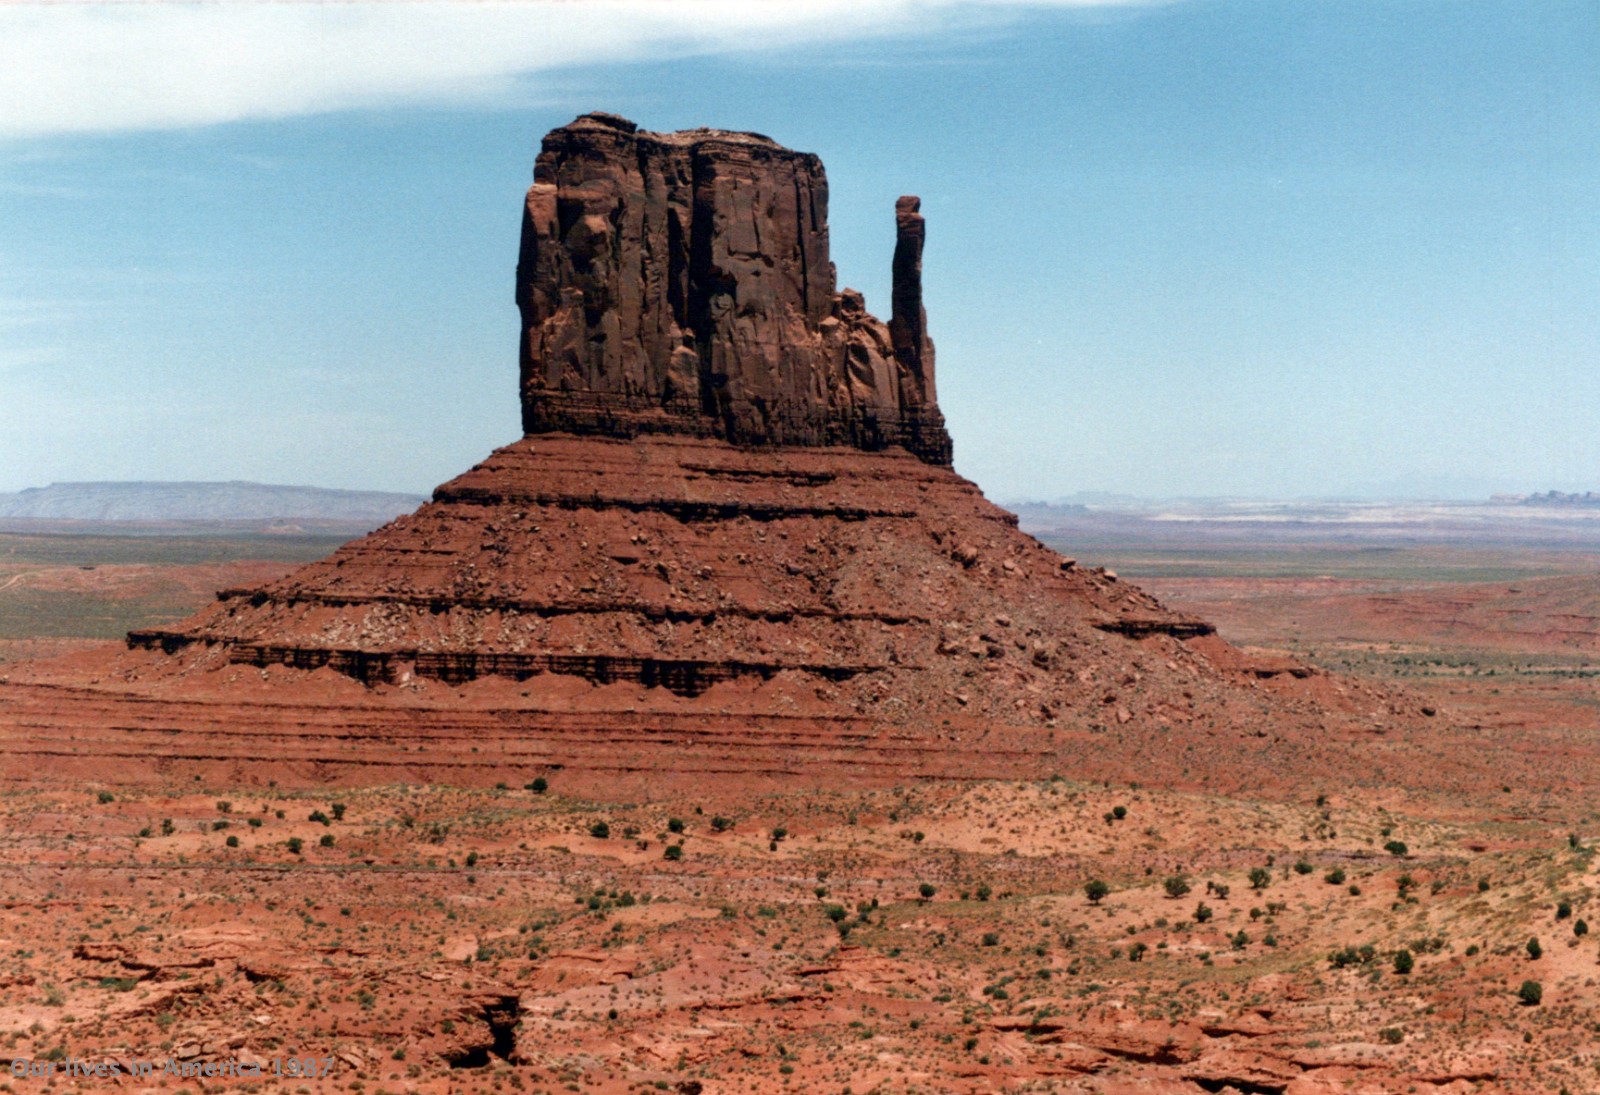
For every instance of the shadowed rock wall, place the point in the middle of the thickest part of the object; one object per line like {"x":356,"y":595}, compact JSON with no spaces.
{"x":680,"y":283}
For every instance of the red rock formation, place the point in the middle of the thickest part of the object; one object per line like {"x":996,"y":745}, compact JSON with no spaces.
{"x":680,"y":283}
{"x":731,"y":532}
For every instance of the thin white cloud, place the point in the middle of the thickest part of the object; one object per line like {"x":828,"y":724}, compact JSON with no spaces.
{"x":68,"y":68}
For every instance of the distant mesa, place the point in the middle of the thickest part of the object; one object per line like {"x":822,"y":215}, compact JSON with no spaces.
{"x":1551,"y":498}
{"x":179,"y":501}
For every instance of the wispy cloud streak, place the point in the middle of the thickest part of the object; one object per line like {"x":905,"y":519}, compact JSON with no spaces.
{"x":113,"y":67}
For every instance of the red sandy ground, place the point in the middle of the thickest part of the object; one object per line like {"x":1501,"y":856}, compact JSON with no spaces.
{"x":458,"y":936}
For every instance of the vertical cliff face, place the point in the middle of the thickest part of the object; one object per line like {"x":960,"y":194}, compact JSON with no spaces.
{"x":680,"y":283}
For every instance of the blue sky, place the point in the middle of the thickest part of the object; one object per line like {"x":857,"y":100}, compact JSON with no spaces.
{"x":1207,"y":247}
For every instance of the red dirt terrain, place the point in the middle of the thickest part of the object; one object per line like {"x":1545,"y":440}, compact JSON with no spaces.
{"x":717,"y":737}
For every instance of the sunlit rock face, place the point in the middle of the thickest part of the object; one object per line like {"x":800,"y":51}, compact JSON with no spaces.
{"x":680,"y":283}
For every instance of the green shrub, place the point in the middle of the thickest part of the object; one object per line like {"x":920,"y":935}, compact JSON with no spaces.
{"x":1096,"y":891}
{"x":1403,"y":962}
{"x":600,"y":830}
{"x":1396,"y":848}
{"x":1176,"y":886}
{"x":1531,"y":993}
{"x":1335,"y":877}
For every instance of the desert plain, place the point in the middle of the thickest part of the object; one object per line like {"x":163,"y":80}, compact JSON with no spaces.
{"x":1183,"y":907}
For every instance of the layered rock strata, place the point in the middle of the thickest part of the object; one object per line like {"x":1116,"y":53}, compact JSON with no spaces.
{"x":679,"y":563}
{"x":681,"y":283}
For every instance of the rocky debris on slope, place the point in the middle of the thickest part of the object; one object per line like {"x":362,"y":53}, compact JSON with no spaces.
{"x":680,"y":282}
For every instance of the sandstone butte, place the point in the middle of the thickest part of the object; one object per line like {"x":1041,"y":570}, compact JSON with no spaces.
{"x":730,"y":546}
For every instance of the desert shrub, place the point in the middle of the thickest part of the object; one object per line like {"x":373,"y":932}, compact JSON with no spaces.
{"x":338,"y":809}
{"x":673,"y":852}
{"x":1302,"y":867}
{"x":1563,"y":910}
{"x":233,"y":842}
{"x":1396,"y":848}
{"x":105,"y":797}
{"x":991,"y":939}
{"x":1119,"y":812}
{"x":1260,"y":878}
{"x":984,"y":891}
{"x":836,"y":913}
{"x":1391,"y":1036}
{"x":720,"y":824}
{"x":296,"y":844}
{"x":1533,"y":948}
{"x":1353,"y":956}
{"x":318,"y":815}
{"x":1531,"y":993}
{"x":1176,"y":886}
{"x":1202,"y":913}
{"x":538,"y":786}
{"x":1483,"y":885}
{"x":1334,"y":877}
{"x":326,"y":841}
{"x":927,"y":890}
{"x":674,"y":824}
{"x":1096,"y":891}
{"x":1580,"y":926}
{"x":600,"y":830}
{"x":1403,"y":962}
